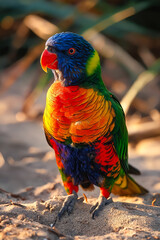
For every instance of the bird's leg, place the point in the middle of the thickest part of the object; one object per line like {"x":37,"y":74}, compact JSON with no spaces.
{"x":70,"y":200}
{"x":68,"y":204}
{"x":103,"y":200}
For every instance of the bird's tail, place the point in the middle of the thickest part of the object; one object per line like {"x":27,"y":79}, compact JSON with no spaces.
{"x":133,"y":170}
{"x":126,"y":185}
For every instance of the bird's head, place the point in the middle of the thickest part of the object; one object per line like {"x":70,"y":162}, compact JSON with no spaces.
{"x":72,"y":59}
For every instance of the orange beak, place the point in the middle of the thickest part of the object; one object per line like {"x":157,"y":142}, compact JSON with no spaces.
{"x":48,"y":60}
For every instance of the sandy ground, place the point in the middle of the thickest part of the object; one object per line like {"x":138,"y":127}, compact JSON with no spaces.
{"x":31,"y":191}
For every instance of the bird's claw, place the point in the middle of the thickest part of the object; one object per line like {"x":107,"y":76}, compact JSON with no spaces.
{"x":68,"y":204}
{"x":102,"y":202}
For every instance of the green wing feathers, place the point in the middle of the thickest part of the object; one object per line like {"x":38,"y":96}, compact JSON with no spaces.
{"x":120,"y":134}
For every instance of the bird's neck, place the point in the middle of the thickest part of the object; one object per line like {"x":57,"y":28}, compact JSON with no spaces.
{"x":89,"y":81}
{"x":95,"y":81}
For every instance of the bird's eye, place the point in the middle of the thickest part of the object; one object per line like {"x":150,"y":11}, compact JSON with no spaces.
{"x":72,"y":51}
{"x":50,"y":49}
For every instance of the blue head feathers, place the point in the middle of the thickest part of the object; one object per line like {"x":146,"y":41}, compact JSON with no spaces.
{"x":74,"y":55}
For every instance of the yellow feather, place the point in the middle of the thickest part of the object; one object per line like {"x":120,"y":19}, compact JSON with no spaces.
{"x":128,"y":186}
{"x":92,"y":63}
{"x":119,"y":181}
{"x":124,"y":182}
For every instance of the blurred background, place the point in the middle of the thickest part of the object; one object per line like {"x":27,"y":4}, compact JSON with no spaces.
{"x":126,"y":33}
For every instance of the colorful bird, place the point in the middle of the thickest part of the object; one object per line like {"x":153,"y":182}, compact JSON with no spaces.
{"x":84,"y":123}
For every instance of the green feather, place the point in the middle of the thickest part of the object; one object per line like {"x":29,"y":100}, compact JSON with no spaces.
{"x":120,"y":134}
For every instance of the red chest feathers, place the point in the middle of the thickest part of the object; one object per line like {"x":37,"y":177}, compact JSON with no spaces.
{"x":77,"y":113}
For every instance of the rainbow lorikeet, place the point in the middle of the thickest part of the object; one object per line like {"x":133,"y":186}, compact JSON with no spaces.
{"x":84,"y":123}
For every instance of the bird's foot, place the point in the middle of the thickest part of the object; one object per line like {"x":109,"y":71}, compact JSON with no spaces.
{"x":100,"y":204}
{"x":68,"y":204}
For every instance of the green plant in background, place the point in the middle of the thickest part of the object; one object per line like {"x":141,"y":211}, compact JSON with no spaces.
{"x":123,"y":28}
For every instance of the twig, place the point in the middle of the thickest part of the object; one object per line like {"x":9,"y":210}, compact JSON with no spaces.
{"x":117,"y":17}
{"x":17,"y":204}
{"x":3,"y":191}
{"x":147,"y":57}
{"x":12,"y":194}
{"x":55,"y":231}
{"x":142,"y":80}
{"x":40,"y":26}
{"x":2,"y":160}
{"x":144,"y":130}
{"x":17,"y":196}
